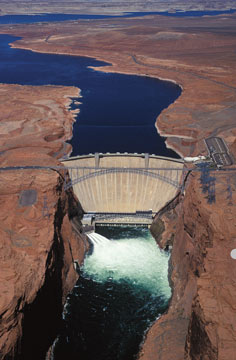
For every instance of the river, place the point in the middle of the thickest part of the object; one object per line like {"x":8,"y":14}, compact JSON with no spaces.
{"x":122,"y":289}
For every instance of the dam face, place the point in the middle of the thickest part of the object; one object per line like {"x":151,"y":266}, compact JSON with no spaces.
{"x":123,"y":285}
{"x":124,"y":183}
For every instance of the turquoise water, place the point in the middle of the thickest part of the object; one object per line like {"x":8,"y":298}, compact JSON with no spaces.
{"x":123,"y":288}
{"x":135,"y":258}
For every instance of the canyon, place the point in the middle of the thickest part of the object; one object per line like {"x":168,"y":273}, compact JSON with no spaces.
{"x":198,"y":54}
{"x":38,"y":244}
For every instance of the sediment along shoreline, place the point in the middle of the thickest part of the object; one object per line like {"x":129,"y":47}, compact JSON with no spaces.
{"x":117,"y":112}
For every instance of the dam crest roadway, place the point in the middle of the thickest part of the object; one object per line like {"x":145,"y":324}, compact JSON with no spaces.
{"x":124,"y":188}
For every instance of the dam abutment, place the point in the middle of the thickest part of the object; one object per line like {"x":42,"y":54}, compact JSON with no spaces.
{"x":124,"y":183}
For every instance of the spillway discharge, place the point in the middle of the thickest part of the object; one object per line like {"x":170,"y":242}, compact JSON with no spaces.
{"x":123,"y":288}
{"x":136,"y":260}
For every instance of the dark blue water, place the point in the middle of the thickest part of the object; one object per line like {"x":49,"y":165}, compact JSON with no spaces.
{"x":26,"y":19}
{"x":118,"y":111}
{"x":89,"y":332}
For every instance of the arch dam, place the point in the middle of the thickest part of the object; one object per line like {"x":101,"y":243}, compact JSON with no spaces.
{"x":124,"y":188}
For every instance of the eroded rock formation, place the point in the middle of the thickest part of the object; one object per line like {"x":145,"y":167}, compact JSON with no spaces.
{"x":200,"y":322}
{"x":39,"y":247}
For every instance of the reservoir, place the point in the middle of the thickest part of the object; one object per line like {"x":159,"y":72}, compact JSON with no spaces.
{"x":117,"y":113}
{"x":27,"y":19}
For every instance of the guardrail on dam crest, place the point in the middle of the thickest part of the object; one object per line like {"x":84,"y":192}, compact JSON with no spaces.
{"x":124,"y":183}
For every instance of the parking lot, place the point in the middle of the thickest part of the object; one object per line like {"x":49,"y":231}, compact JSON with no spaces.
{"x":218,"y":151}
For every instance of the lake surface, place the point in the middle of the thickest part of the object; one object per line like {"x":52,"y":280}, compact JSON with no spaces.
{"x":26,"y":19}
{"x":117,"y":113}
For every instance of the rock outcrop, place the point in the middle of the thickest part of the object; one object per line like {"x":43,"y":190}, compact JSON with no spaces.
{"x":39,"y":248}
{"x":200,"y":322}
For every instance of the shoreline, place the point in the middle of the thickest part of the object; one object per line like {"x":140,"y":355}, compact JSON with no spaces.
{"x":74,"y":113}
{"x":54,"y":126}
{"x":186,"y":114}
{"x":104,"y":70}
{"x":115,"y":12}
{"x":99,"y":68}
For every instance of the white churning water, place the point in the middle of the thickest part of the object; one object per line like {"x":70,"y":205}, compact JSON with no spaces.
{"x":137,"y":260}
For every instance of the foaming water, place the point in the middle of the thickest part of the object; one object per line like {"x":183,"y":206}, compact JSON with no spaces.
{"x":135,"y":259}
{"x":122,"y":289}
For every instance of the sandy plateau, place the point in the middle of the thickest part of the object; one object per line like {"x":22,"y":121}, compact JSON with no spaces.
{"x":199,"y":54}
{"x":108,"y":6}
{"x":36,"y":119}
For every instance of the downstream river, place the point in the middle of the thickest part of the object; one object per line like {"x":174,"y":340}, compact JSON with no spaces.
{"x":122,"y":289}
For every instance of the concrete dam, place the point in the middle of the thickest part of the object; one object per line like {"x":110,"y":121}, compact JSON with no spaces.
{"x":124,"y":183}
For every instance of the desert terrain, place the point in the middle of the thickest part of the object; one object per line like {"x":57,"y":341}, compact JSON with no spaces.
{"x":198,"y":54}
{"x":109,"y":7}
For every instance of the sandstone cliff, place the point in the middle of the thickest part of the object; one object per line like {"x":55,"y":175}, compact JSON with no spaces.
{"x":39,"y":247}
{"x":200,"y":322}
